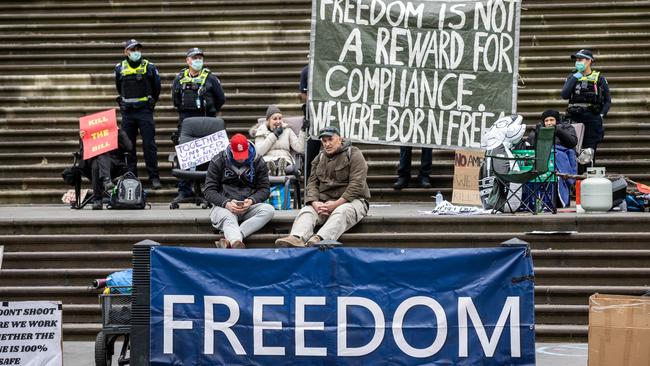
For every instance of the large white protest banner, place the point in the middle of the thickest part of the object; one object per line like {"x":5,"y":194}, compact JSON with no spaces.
{"x":30,"y":333}
{"x":201,"y":150}
{"x":422,"y":73}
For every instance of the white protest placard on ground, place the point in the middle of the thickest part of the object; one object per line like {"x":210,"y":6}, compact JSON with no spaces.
{"x":30,"y":333}
{"x":201,"y":150}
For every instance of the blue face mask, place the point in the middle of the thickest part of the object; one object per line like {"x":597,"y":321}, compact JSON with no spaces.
{"x":197,"y":64}
{"x":135,"y":56}
{"x":580,"y":66}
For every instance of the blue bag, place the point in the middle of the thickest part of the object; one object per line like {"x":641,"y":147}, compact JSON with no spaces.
{"x":277,"y":199}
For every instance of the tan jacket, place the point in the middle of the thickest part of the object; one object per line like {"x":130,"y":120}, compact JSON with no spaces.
{"x":342,"y":175}
{"x":268,"y":145}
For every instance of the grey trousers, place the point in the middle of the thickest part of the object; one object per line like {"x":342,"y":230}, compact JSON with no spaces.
{"x":252,"y":220}
{"x":341,"y":220}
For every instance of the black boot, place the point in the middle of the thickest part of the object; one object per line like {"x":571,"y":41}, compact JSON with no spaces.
{"x":97,"y":204}
{"x":424,"y":182}
{"x":402,"y":182}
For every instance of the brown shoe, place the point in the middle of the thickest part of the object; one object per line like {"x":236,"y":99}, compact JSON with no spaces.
{"x":222,"y":243}
{"x":237,"y":245}
{"x":314,"y":240}
{"x":290,"y":241}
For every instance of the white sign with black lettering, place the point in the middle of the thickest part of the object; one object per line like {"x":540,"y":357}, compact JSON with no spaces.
{"x":30,"y":333}
{"x":201,"y":150}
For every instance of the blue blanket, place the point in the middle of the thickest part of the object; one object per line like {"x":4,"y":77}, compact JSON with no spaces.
{"x":565,"y":162}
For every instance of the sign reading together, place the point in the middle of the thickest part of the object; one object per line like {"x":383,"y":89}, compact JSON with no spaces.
{"x":419,"y":73}
{"x":201,"y":150}
{"x":100,"y":133}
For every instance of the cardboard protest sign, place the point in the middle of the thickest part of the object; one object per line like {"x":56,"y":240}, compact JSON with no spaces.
{"x":101,"y":133}
{"x":201,"y":150}
{"x":420,"y":73}
{"x":467,"y":165}
{"x":30,"y":333}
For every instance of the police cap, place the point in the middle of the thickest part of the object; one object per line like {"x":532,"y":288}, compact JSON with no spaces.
{"x":194,"y":51}
{"x":131,"y":43}
{"x":583,"y":53}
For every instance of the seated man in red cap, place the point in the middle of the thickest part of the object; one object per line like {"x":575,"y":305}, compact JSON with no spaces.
{"x":237,"y":185}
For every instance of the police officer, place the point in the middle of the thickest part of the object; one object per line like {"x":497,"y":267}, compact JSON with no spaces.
{"x":196,"y":92}
{"x":138,"y":84}
{"x":589,"y":98}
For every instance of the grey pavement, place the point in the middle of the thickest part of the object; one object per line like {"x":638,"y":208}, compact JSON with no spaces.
{"x":548,"y":354}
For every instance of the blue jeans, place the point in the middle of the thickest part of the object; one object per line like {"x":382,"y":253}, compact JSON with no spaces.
{"x":405,"y":153}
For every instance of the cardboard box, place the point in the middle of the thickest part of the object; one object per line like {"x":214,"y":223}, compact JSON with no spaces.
{"x":619,"y":330}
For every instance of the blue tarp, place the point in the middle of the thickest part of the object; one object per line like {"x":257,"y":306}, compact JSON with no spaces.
{"x":353,"y":306}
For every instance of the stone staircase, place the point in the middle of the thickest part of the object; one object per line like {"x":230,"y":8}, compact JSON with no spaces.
{"x":54,"y":253}
{"x":57,"y":60}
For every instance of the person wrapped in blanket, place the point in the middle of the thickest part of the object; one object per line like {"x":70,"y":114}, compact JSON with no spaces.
{"x":101,"y":169}
{"x":274,"y":141}
{"x":565,"y":154}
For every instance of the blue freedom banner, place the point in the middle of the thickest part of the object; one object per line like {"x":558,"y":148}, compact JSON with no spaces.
{"x":343,"y":306}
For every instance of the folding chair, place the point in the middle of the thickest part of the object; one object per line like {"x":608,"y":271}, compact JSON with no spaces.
{"x":539,"y":173}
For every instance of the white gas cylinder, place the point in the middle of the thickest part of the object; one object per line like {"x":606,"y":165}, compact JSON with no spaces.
{"x":596,"y":191}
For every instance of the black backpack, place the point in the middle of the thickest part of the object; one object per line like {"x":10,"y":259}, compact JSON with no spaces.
{"x":128,"y":194}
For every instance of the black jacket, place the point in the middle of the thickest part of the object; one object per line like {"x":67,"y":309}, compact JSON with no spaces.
{"x":570,"y":85}
{"x":565,"y":135}
{"x":152,"y":77}
{"x":214,"y":96}
{"x":227,"y":181}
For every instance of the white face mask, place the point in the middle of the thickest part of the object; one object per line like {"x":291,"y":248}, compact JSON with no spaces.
{"x":197,"y":64}
{"x":135,"y":56}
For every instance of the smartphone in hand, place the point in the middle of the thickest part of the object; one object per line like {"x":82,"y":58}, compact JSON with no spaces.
{"x":239,"y":203}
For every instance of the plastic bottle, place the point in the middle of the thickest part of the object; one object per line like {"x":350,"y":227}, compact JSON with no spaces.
{"x":439,"y":199}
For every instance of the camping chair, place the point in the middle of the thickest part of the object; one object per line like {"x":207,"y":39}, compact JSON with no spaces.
{"x":539,"y":173}
{"x":580,"y":134}
{"x":293,"y":178}
{"x":191,"y":129}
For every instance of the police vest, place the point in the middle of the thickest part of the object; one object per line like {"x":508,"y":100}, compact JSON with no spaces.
{"x":193,"y":96}
{"x":135,"y":86}
{"x":587,"y":92}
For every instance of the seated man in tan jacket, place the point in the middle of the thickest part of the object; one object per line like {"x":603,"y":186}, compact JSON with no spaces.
{"x":337,"y":193}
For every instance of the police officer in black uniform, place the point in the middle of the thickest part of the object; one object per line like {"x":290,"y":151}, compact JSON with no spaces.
{"x":196,"y":92}
{"x":589,"y":99}
{"x":138,"y":84}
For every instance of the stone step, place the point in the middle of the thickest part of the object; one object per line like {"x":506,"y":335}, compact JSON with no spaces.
{"x":544,"y":295}
{"x":579,"y":295}
{"x":243,"y":13}
{"x":391,"y":218}
{"x":617,"y":122}
{"x":388,"y":154}
{"x":524,"y":106}
{"x":380,"y":167}
{"x":544,"y":276}
{"x":544,"y":246}
{"x":605,"y":259}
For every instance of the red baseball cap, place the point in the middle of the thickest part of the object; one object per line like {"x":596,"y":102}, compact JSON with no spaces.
{"x":239,"y":147}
